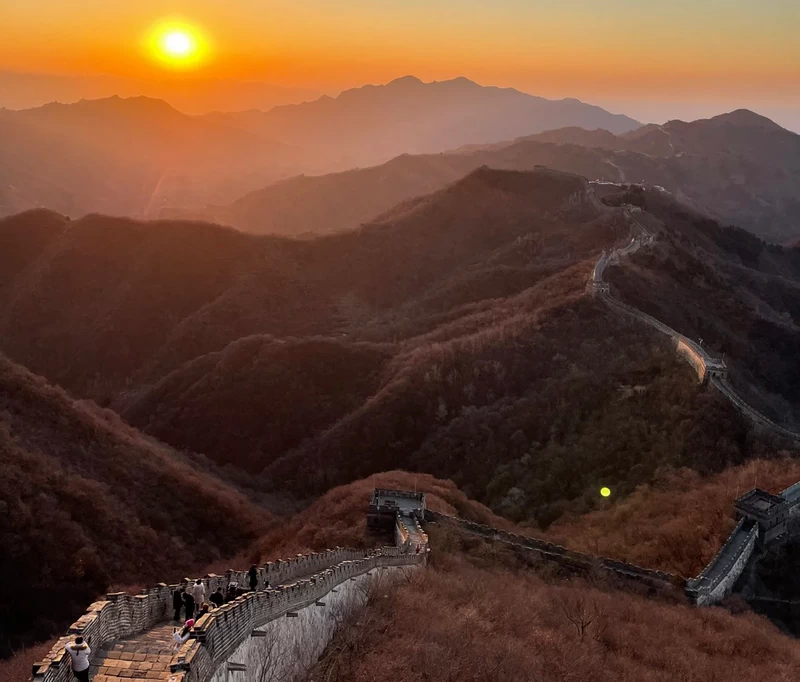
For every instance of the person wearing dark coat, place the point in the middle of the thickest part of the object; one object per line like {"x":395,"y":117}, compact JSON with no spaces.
{"x":217,"y":598}
{"x":252,"y":574}
{"x":188,"y":602}
{"x":177,"y":603}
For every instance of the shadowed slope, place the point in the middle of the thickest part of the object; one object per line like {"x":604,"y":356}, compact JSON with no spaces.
{"x":87,"y":500}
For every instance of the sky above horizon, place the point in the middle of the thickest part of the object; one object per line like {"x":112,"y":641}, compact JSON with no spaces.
{"x":649,"y":60}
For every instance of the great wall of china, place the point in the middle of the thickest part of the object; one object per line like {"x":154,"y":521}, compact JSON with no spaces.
{"x":269,"y":634}
{"x":277,"y":633}
{"x":709,"y":368}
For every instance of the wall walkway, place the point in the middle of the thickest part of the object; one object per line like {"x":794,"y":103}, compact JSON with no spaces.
{"x":708,"y":367}
{"x":131,"y":636}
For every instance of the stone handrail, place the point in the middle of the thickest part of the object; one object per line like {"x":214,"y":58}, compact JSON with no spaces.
{"x":219,"y":633}
{"x":122,"y":615}
{"x":722,"y":572}
{"x":727,"y":390}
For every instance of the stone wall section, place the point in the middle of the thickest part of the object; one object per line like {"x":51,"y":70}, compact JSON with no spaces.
{"x":549,"y":551}
{"x":122,"y":615}
{"x":720,"y":575}
{"x":217,"y":635}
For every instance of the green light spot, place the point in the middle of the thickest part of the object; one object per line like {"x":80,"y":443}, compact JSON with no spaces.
{"x":605,"y":492}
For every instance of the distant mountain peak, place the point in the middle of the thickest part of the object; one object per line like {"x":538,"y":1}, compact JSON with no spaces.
{"x":404,"y":81}
{"x":745,"y":117}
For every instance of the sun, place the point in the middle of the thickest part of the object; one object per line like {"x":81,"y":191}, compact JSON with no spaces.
{"x":177,"y":44}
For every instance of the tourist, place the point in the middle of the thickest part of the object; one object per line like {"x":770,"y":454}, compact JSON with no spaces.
{"x":253,"y":575}
{"x":177,"y":603}
{"x":79,"y":653}
{"x":188,"y":602}
{"x":204,"y":608}
{"x":231,"y":591}
{"x":217,"y":599}
{"x":199,"y":592}
{"x":180,"y":635}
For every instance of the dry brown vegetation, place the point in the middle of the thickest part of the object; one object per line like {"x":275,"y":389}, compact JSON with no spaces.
{"x":679,"y":522}
{"x":85,"y":501}
{"x":479,"y":616}
{"x":339,"y":517}
{"x":730,"y":289}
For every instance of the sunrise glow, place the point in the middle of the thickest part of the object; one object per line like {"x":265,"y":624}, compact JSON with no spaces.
{"x":177,"y":44}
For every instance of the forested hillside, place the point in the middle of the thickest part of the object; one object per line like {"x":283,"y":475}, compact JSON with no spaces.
{"x":87,"y":501}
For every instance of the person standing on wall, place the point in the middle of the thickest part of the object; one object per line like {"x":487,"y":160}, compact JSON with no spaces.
{"x":188,"y":602}
{"x":79,"y":653}
{"x":177,"y":603}
{"x":252,"y":574}
{"x":199,"y":592}
{"x":217,"y":598}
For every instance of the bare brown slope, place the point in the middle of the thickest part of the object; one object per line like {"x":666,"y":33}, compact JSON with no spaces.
{"x":476,"y":614}
{"x":115,"y":301}
{"x":86,"y":500}
{"x":530,"y":407}
{"x":679,"y":522}
{"x":259,"y":397}
{"x":427,"y":271}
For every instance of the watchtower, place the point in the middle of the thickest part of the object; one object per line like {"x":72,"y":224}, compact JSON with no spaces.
{"x":385,"y":505}
{"x":771,"y":512}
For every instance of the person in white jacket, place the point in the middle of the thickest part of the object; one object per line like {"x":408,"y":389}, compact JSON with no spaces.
{"x":199,"y":592}
{"x":79,"y":653}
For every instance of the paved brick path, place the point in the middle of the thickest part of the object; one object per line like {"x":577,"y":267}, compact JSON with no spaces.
{"x":144,"y":656}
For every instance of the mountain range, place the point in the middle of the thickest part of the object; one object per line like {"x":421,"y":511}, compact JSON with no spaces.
{"x":739,"y":168}
{"x":227,"y":384}
{"x":435,"y":337}
{"x":193,"y":95}
{"x":373,"y":123}
{"x":138,"y":156}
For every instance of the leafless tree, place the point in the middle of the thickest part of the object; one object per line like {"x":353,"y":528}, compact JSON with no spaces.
{"x":583,"y":613}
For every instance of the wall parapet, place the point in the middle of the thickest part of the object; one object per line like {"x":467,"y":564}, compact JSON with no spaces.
{"x":122,"y":615}
{"x":566,"y":557}
{"x":218,"y":634}
{"x":717,"y":579}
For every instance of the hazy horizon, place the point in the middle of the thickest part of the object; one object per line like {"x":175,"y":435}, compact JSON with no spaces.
{"x":685,"y":61}
{"x":199,"y":95}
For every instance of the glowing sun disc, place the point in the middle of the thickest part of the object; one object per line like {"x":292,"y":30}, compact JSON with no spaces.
{"x":177,"y":44}
{"x":605,"y":492}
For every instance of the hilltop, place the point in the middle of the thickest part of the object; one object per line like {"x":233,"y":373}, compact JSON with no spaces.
{"x":88,"y":502}
{"x":373,"y":123}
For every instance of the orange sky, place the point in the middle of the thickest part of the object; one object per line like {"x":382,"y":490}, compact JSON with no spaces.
{"x":616,"y":49}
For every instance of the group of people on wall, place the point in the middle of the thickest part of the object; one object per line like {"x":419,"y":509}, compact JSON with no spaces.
{"x":188,"y":598}
{"x":185,"y":598}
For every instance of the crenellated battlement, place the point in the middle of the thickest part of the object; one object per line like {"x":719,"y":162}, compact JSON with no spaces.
{"x":294,"y":583}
